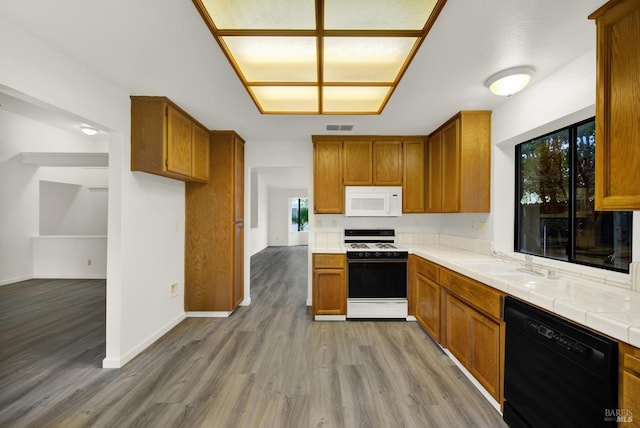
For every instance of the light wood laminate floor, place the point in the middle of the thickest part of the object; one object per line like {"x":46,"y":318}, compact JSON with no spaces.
{"x":267,"y":365}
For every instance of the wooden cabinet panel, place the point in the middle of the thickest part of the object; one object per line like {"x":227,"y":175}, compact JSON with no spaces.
{"x":450,"y":168}
{"x":329,"y":284}
{"x":214,"y":235}
{"x":629,"y":384}
{"x":428,"y":305}
{"x":433,"y":174}
{"x":328,"y":190}
{"x":358,"y":162}
{"x":428,"y":269}
{"x":166,"y":141}
{"x":178,"y":142}
{"x":617,"y":184}
{"x":387,"y":163}
{"x":483,"y":297}
{"x":200,"y":153}
{"x":485,"y":352}
{"x":458,"y":322}
{"x":413,"y":176}
{"x":462,"y":146}
{"x":475,"y":341}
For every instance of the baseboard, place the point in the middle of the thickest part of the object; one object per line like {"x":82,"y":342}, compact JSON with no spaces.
{"x":208,"y":314}
{"x":14,"y":280}
{"x":116,"y":363}
{"x":246,"y":302}
{"x":309,"y":302}
{"x":330,"y":318}
{"x":69,"y":276}
{"x":473,"y":380}
{"x":411,"y":318}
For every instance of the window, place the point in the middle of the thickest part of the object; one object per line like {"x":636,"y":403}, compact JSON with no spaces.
{"x":555,"y":214}
{"x":299,"y":214}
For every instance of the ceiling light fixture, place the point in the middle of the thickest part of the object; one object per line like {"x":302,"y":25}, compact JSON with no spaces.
{"x":88,"y":130}
{"x":320,"y":56}
{"x":510,"y":81}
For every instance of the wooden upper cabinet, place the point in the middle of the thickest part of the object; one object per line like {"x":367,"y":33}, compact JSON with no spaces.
{"x":358,"y":162}
{"x":413,"y":175}
{"x":433,"y":174}
{"x":328,"y":190}
{"x":199,"y":153}
{"x":387,"y":162}
{"x":166,"y":141}
{"x":617,"y":182}
{"x":463,"y":147}
{"x":178,"y":142}
{"x":450,"y":168}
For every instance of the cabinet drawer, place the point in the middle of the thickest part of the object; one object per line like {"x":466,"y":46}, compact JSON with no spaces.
{"x":428,"y":269}
{"x":632,"y":363}
{"x":323,"y":261}
{"x":476,"y":294}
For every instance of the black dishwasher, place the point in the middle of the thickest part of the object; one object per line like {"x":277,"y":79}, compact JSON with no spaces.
{"x":556,"y":374}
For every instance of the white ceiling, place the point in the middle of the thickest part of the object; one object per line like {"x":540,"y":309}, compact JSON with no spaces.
{"x":162,"y":47}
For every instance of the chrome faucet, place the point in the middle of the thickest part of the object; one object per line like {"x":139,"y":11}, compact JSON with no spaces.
{"x":528,"y":266}
{"x":528,"y":263}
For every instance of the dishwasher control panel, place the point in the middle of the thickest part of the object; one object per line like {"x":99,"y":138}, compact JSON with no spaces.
{"x":558,"y":338}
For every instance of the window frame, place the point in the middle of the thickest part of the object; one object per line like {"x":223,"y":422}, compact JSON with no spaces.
{"x":571,"y":205}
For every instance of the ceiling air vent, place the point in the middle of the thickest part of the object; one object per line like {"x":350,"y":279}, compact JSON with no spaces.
{"x":337,"y":127}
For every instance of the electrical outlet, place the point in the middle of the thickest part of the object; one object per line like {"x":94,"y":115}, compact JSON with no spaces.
{"x":482,"y":227}
{"x":473,"y":225}
{"x":177,"y":225}
{"x":174,"y":289}
{"x":89,"y":262}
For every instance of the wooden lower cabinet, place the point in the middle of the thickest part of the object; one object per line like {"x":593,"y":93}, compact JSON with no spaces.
{"x":474,"y":339}
{"x":427,"y":310}
{"x":629,"y":385}
{"x":329,"y":285}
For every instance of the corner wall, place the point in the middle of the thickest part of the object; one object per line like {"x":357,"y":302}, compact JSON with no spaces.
{"x":146,"y":213}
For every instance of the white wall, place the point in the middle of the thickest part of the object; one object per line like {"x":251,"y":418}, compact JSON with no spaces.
{"x":71,"y":209}
{"x":280,"y":217}
{"x":19,"y":186}
{"x":70,"y":257}
{"x":258,"y":235}
{"x":145,"y":248}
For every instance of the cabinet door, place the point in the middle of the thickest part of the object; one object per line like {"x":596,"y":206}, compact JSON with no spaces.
{"x":413,"y":176}
{"x":617,"y":186}
{"x":328,"y":191}
{"x":200,"y":153}
{"x":433,"y":199}
{"x":630,"y":399}
{"x":485,"y":352}
{"x":387,"y":163}
{"x":329,"y":292}
{"x":428,"y":306}
{"x":358,"y":161}
{"x":458,"y":319}
{"x":451,"y":168}
{"x":178,"y":142}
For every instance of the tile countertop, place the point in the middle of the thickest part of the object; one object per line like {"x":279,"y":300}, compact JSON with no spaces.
{"x":611,"y":310}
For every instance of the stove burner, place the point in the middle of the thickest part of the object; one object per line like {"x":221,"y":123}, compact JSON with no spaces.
{"x":359,"y":246}
{"x":386,"y":246}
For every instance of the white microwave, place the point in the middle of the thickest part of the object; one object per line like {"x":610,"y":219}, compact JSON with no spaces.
{"x":372,"y":201}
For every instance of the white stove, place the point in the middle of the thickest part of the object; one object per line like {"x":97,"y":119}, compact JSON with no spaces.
{"x":376,"y":274}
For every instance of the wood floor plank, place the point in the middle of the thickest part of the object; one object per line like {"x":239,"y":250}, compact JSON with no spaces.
{"x":267,"y":365}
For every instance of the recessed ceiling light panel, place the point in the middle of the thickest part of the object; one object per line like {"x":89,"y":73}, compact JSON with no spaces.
{"x":320,"y":56}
